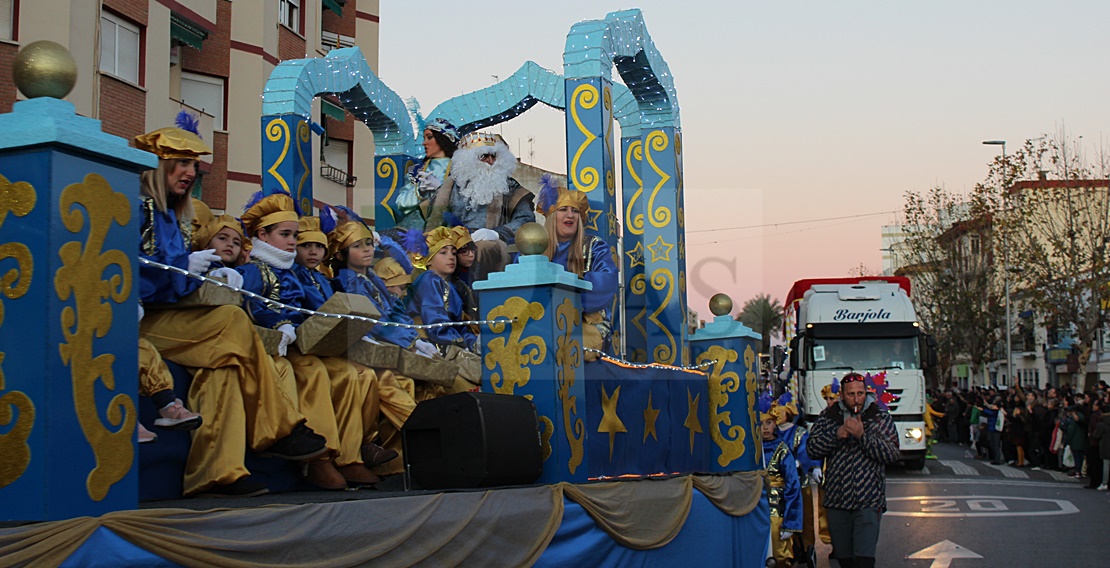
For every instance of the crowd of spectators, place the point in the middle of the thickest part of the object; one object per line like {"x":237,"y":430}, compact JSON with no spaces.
{"x":1051,"y":428}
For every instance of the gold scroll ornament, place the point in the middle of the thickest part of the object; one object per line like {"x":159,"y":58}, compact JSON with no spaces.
{"x":15,"y":455}
{"x":568,"y":356}
{"x":721,"y":383}
{"x":510,"y":354}
{"x":752,"y":385}
{"x":81,"y":278}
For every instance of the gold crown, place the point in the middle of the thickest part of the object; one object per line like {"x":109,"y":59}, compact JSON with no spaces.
{"x":438,"y":238}
{"x":271,"y":210}
{"x":345,"y":235}
{"x":475,"y":139}
{"x":172,"y":144}
{"x":391,"y":272}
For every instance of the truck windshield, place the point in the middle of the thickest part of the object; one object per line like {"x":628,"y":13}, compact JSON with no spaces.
{"x":862,"y":354}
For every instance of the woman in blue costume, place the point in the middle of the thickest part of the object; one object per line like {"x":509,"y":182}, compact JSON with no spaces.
{"x":331,"y":392}
{"x":586,"y":256}
{"x":432,"y":299}
{"x":234,"y":382}
{"x":440,"y":142}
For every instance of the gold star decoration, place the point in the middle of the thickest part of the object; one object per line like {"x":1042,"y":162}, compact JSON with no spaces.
{"x":612,"y":217}
{"x":591,"y":218}
{"x":660,"y":249}
{"x":650,"y":416}
{"x":692,"y":423}
{"x":610,"y":422}
{"x":636,"y":255}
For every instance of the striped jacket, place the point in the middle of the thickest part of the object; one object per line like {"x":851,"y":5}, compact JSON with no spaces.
{"x":855,"y":470}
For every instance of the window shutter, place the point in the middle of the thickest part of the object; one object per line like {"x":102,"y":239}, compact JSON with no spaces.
{"x":107,"y":46}
{"x":128,"y":55}
{"x":335,"y":154}
{"x":6,"y":19}
{"x":204,"y":93}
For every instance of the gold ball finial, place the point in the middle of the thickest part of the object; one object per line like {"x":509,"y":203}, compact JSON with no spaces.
{"x":44,"y":69}
{"x":720,"y":304}
{"x":531,"y":238}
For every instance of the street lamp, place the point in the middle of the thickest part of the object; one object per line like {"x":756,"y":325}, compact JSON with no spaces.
{"x":1005,"y":263}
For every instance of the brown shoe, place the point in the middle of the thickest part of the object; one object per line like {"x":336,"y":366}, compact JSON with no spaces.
{"x":322,"y":474}
{"x":357,"y":475}
{"x":373,"y":454}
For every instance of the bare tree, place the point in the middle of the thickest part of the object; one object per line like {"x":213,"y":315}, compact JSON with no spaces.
{"x":1056,"y":227}
{"x":948,"y":255}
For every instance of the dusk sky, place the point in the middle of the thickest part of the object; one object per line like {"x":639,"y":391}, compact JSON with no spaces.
{"x":794,"y":111}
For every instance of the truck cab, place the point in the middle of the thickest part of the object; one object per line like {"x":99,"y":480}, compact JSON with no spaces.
{"x":864,"y":327}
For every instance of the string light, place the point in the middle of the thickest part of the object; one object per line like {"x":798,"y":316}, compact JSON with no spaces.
{"x":624,"y":363}
{"x":270,"y":303}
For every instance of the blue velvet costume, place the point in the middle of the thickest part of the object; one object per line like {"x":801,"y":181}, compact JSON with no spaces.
{"x":785,"y":489}
{"x":164,"y":240}
{"x":433,"y":300}
{"x":316,"y":287}
{"x":599,"y":270}
{"x":278,"y":284}
{"x":371,"y":286}
{"x":797,"y":439}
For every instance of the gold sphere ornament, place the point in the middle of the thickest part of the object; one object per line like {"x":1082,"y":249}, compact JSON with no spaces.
{"x":44,"y":69}
{"x":531,"y":238}
{"x":720,"y":304}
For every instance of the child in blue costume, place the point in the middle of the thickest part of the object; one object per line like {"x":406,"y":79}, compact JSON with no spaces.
{"x":796,"y":437}
{"x":234,"y":381}
{"x":432,"y":299}
{"x":784,"y":493}
{"x":387,"y":398}
{"x":330,"y":391}
{"x":586,"y":256}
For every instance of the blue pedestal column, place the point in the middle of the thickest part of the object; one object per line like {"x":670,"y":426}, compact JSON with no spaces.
{"x":632,"y":263}
{"x":664,"y":241}
{"x":69,"y":237}
{"x":589,"y":118}
{"x":733,"y":380}
{"x":539,"y":355}
{"x":287,"y":158}
{"x":389,"y":177}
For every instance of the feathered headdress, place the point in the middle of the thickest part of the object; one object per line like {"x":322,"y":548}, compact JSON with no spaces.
{"x":764,"y":403}
{"x":188,"y":122}
{"x":416,"y":247}
{"x":553,"y":196}
{"x":328,"y":219}
{"x":451,"y":220}
{"x":395,"y":251}
{"x":263,"y":210}
{"x":350,"y":215}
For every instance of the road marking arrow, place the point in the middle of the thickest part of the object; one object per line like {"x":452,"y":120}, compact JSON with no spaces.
{"x":942,"y":554}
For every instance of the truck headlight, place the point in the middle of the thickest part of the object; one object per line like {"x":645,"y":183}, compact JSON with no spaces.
{"x":913,"y":433}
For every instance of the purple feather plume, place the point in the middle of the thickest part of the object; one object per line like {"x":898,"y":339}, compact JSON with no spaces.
{"x":835,"y":386}
{"x":763,"y":404}
{"x":785,"y":399}
{"x":451,"y":220}
{"x":413,"y":241}
{"x":394,"y":250}
{"x":549,"y":192}
{"x":328,"y":219}
{"x":187,"y":121}
{"x":351,"y":215}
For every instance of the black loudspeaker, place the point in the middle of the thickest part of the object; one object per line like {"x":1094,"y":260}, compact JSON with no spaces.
{"x":473,"y":439}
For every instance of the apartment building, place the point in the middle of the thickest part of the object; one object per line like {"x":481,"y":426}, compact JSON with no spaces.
{"x":141,"y":61}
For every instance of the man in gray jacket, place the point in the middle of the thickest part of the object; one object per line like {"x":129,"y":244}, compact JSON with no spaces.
{"x":856,"y":439}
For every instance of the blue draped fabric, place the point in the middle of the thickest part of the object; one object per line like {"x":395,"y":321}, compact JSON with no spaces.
{"x":163,"y":241}
{"x":288,"y":291}
{"x":371,"y":286}
{"x":433,"y":300}
{"x":791,"y":507}
{"x":602,"y":273}
{"x":316,"y":287}
{"x":710,"y":536}
{"x":801,"y":453}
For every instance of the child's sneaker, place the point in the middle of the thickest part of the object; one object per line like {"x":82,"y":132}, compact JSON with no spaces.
{"x":1102,"y":487}
{"x":175,"y":416}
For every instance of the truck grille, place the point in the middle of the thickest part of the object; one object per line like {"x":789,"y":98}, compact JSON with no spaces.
{"x":898,"y":398}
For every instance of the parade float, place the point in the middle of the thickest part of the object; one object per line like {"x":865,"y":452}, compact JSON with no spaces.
{"x":651,"y":458}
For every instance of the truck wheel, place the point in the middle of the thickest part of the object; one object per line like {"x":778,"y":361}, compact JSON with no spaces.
{"x":917,"y":464}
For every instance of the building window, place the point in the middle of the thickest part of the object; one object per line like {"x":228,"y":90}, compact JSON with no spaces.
{"x":334,"y":157}
{"x":332,"y":40}
{"x":204,"y":93}
{"x":119,"y":48}
{"x":289,"y":14}
{"x":7,"y":19}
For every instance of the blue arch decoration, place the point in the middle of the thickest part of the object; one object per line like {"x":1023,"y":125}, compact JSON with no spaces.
{"x":654,"y":259}
{"x":287,"y":116}
{"x":503,"y":101}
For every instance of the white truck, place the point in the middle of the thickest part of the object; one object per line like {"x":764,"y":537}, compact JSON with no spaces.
{"x":836,"y":326}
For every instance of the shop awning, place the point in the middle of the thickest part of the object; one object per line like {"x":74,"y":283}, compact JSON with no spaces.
{"x":335,"y":6}
{"x":331,"y":110}
{"x":186,"y":32}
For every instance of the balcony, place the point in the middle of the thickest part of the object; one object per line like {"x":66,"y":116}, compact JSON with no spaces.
{"x":337,"y":175}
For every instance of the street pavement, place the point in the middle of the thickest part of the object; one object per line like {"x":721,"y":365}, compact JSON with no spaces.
{"x":960,"y":512}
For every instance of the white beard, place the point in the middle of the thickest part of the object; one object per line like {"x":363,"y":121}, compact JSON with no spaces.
{"x":478,"y":182}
